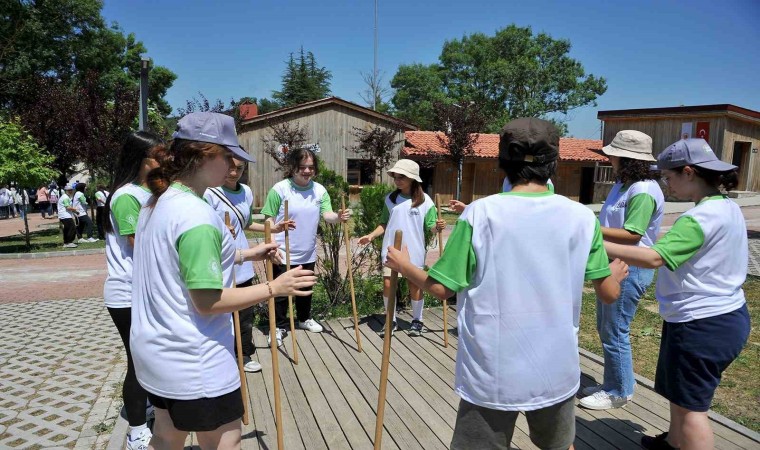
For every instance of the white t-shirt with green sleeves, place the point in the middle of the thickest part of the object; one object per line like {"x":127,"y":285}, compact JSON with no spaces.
{"x":179,"y":353}
{"x":706,"y":255}
{"x":80,"y":203}
{"x":63,"y":203}
{"x":506,"y":186}
{"x":306,"y":205}
{"x":413,"y":221}
{"x":637,"y":208}
{"x":518,"y":262}
{"x":100,"y":198}
{"x":238,"y":204}
{"x":126,"y":204}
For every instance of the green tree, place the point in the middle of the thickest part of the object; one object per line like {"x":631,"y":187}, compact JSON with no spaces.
{"x":304,"y":80}
{"x":514,"y":73}
{"x":23,"y":161}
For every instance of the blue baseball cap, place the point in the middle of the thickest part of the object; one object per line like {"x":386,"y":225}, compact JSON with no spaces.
{"x":691,"y":152}
{"x":214,"y":128}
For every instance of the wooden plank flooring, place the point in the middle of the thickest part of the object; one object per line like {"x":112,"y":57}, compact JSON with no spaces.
{"x":330,"y":397}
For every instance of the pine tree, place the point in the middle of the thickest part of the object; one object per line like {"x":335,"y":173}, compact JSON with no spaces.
{"x":304,"y":80}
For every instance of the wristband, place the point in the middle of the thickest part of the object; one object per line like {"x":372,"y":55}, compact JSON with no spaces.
{"x":269,"y":286}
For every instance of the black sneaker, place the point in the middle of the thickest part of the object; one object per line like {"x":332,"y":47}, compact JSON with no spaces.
{"x":658,"y":442}
{"x":417,"y":328}
{"x":393,"y":328}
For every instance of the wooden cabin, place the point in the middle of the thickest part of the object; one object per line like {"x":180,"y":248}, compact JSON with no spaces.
{"x":732,"y":132}
{"x":330,"y":122}
{"x":579,"y":162}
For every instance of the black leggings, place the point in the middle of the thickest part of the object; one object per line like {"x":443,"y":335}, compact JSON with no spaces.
{"x":302,"y":304}
{"x":134,"y":396}
{"x":246,"y":325}
{"x":69,"y":230}
{"x":84,"y":227}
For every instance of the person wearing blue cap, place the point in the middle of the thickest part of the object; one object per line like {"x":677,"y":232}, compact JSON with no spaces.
{"x":182,"y":339}
{"x":702,"y":265}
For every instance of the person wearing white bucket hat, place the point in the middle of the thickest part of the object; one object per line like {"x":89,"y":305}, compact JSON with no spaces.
{"x":631,"y":215}
{"x":702,"y":263}
{"x":412,"y":211}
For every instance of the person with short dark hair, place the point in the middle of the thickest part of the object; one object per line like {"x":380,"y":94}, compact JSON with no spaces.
{"x":84,"y":223}
{"x":101,"y":196}
{"x":519,"y":278}
{"x":66,"y":214}
{"x":702,"y":263}
{"x":308,"y":203}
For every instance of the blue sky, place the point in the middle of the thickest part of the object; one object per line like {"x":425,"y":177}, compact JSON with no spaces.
{"x":652,"y":53}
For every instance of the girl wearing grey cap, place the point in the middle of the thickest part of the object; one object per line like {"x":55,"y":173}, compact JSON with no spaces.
{"x":631,"y":215}
{"x":182,"y":295}
{"x":703,"y":265}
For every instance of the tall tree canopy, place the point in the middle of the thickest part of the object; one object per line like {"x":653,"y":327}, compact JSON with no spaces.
{"x":72,"y":79}
{"x":304,"y":80}
{"x":514,"y":73}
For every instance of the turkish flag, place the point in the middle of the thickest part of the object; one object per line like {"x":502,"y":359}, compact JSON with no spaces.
{"x":703,"y":131}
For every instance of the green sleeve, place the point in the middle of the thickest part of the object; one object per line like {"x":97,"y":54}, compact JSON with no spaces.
{"x":385,"y":215}
{"x":430,"y":218}
{"x":682,"y":242}
{"x":125,"y":211}
{"x":457,"y":265}
{"x":638,"y":213}
{"x":550,"y":186}
{"x":326,"y":204}
{"x":272,"y":204}
{"x":83,"y":200}
{"x":66,"y":202}
{"x":200,"y":257}
{"x":598,"y":264}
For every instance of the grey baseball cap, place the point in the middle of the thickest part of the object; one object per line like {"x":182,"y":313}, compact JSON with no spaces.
{"x":213,"y":128}
{"x":691,"y":152}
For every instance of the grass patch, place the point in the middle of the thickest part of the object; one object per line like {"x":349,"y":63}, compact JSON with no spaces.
{"x":48,"y":240}
{"x":737,"y":395}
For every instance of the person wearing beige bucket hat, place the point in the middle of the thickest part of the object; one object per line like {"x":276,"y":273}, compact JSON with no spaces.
{"x":631,"y":215}
{"x":412,"y":211}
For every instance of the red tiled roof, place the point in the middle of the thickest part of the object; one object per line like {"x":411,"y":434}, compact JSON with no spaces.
{"x":424,"y":143}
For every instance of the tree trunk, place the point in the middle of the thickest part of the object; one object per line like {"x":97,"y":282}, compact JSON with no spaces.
{"x":459,"y":179}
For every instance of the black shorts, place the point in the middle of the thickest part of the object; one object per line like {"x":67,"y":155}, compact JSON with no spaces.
{"x":693,"y":356}
{"x":202,"y":414}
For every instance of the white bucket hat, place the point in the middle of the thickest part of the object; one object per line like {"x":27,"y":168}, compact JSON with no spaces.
{"x":630,"y":144}
{"x":407,"y":168}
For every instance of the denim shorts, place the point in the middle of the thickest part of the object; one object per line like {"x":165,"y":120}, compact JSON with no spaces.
{"x":478,"y":427}
{"x":694,"y":354}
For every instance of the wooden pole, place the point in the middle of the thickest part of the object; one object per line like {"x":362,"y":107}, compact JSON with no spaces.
{"x":273,"y":346}
{"x":347,"y":238}
{"x":238,"y":342}
{"x":390,"y":310}
{"x":445,"y":301}
{"x":290,"y":297}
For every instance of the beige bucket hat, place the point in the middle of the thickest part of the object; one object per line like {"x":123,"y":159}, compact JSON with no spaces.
{"x":407,"y":168}
{"x":630,"y":144}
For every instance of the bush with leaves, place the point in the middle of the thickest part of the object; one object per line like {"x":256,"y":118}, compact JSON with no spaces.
{"x":367,"y":218}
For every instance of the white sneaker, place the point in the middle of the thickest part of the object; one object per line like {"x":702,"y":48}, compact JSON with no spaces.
{"x":83,"y":241}
{"x":603,"y":400}
{"x":93,"y":240}
{"x":70,"y":245}
{"x":310,"y":325}
{"x":139,"y":442}
{"x":252,"y":366}
{"x":278,"y":334}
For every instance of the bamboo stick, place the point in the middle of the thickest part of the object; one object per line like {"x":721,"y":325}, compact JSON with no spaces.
{"x":273,"y":347}
{"x":445,"y":301}
{"x":347,"y":238}
{"x":390,"y":310}
{"x":290,"y":297}
{"x":238,"y":342}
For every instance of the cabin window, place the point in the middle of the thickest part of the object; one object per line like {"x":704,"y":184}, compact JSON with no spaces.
{"x":360,"y":172}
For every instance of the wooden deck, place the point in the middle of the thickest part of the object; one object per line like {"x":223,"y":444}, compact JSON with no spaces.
{"x":329,"y":398}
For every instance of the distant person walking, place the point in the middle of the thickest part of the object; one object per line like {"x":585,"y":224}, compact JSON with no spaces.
{"x":101,"y":196}
{"x":85,"y":223}
{"x":66,"y":212}
{"x":43,"y":202}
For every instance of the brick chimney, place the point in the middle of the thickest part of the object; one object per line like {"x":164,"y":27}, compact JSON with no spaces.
{"x":248,"y":111}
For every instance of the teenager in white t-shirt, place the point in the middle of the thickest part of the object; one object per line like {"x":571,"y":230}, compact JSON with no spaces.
{"x":631,"y":215}
{"x":703,"y":265}
{"x":519,"y":279}
{"x":66,"y":212}
{"x":236,"y":199}
{"x":84,"y":223}
{"x":308,"y":203}
{"x":141,"y":152}
{"x":182,"y":295}
{"x":101,"y":196}
{"x":412,"y":211}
